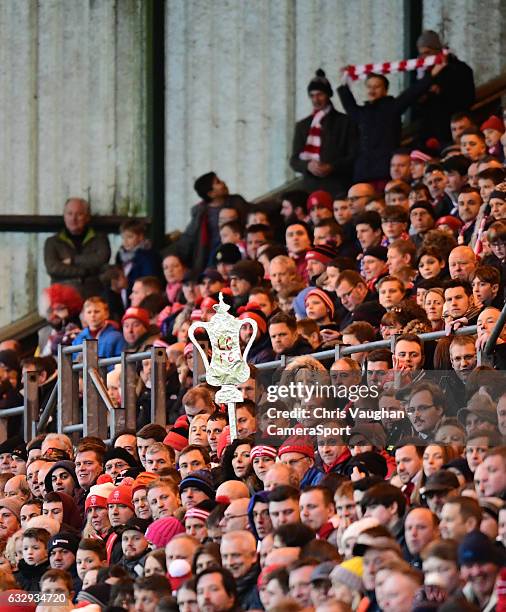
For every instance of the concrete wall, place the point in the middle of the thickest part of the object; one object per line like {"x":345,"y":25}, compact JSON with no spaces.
{"x":474,"y":30}
{"x":72,"y":120}
{"x":236,"y":76}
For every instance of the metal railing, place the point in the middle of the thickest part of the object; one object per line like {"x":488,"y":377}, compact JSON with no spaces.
{"x":340,"y":350}
{"x":97,"y":415}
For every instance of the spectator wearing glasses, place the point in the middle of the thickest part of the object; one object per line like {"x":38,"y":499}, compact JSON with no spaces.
{"x":426,"y":409}
{"x":298,"y":453}
{"x":351,"y":290}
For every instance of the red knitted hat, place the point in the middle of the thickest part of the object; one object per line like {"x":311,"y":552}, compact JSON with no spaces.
{"x":324,"y":297}
{"x":141,"y":314}
{"x":179,"y":571}
{"x":121,"y":495}
{"x":95,"y":501}
{"x":176,"y":439}
{"x":297,"y":444}
{"x":97,"y":497}
{"x":197,"y":513}
{"x":452,"y":222}
{"x":493,"y":123}
{"x":319,"y":197}
{"x":207,"y":303}
{"x":322,"y":252}
{"x":417,"y":155}
{"x":161,"y":531}
{"x":252,"y":311}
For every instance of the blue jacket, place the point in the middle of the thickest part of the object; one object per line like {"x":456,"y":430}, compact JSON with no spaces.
{"x":110,"y":341}
{"x":146,"y":262}
{"x":311,"y":478}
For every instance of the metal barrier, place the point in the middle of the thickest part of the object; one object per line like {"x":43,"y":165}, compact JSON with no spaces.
{"x":98,"y":411}
{"x":97,"y":416}
{"x":345,"y":351}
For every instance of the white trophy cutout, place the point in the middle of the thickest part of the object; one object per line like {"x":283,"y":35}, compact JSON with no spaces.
{"x":227,"y":368}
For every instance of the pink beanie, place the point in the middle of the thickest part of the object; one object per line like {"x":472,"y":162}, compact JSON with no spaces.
{"x":161,"y":531}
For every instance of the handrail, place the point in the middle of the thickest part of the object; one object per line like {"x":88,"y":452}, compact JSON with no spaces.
{"x":346,"y":351}
{"x":489,"y":91}
{"x":95,"y":395}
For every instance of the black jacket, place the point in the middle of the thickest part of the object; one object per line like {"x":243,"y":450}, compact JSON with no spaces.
{"x":261,"y":350}
{"x":379,"y":125}
{"x":247,"y":591}
{"x":455,"y":84}
{"x":338,"y":148}
{"x":300,"y":347}
{"x":28,"y":576}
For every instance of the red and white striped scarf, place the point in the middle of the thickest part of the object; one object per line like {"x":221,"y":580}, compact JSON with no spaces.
{"x":360,"y":71}
{"x":312,"y":147}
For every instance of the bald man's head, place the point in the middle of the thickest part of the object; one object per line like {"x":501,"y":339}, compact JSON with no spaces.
{"x":232,"y":489}
{"x":462,"y":263}
{"x":236,"y":516}
{"x":280,"y":474}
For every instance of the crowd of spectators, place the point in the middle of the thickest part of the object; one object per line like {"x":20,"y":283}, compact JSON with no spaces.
{"x":345,"y":511}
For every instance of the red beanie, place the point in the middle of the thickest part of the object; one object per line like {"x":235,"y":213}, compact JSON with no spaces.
{"x":142,"y":481}
{"x":179,"y":571}
{"x":97,"y":497}
{"x":121,"y":495}
{"x":176,"y":439}
{"x":452,"y":222}
{"x":297,"y":444}
{"x":493,"y":123}
{"x":252,"y":311}
{"x":95,"y":501}
{"x":319,"y":197}
{"x":197,"y":513}
{"x":141,"y":314}
{"x":263,"y":451}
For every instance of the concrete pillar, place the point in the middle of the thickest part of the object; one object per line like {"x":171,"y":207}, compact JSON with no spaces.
{"x":72,"y":89}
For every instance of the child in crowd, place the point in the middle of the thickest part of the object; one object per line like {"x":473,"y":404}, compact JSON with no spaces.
{"x":35,"y":559}
{"x":135,"y":254}
{"x":95,"y":316}
{"x":493,"y":128}
{"x":232,"y":233}
{"x":91,"y":554}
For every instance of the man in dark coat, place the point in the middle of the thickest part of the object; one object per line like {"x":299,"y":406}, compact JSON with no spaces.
{"x":452,"y":91}
{"x":201,"y":238}
{"x":325,"y":143}
{"x":239,"y":556}
{"x":379,"y":122}
{"x":78,"y":253}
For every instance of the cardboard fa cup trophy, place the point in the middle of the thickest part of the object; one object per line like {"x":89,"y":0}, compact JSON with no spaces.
{"x":227,"y":368}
